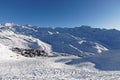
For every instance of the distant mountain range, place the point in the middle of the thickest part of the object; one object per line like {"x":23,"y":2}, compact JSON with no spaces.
{"x":82,"y":40}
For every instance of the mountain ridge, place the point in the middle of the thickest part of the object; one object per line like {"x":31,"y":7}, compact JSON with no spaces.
{"x":79,"y":40}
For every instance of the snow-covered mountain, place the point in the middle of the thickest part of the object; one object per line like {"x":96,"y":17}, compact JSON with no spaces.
{"x":82,"y":40}
{"x":12,"y":39}
{"x":78,"y":41}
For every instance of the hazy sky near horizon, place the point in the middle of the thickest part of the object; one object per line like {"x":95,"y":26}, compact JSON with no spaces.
{"x":62,"y":13}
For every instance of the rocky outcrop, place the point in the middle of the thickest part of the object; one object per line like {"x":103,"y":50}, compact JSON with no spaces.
{"x":30,"y":52}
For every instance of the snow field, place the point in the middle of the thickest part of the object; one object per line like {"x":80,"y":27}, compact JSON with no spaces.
{"x":48,"y":68}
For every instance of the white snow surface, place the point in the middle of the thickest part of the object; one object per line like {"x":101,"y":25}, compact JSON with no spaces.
{"x":6,"y":54}
{"x":51,"y":33}
{"x":17,"y":67}
{"x":53,"y":68}
{"x":82,"y":41}
{"x":100,"y":48}
{"x":75,"y":48}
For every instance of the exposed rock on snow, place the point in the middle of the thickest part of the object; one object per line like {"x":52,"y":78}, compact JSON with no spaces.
{"x":30,"y":52}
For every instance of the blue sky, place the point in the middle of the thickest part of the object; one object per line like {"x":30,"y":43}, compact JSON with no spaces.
{"x":62,"y":13}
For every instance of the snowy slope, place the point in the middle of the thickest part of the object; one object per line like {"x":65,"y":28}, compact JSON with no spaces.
{"x":13,"y":40}
{"x":108,"y":61}
{"x":6,"y":54}
{"x":53,"y":68}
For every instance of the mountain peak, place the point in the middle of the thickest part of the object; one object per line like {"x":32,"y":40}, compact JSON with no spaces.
{"x":8,"y":24}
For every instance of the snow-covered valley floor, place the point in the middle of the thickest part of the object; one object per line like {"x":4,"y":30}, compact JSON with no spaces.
{"x":52,"y":68}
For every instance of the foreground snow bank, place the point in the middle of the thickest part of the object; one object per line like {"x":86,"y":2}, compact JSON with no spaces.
{"x":6,"y":54}
{"x":53,"y":68}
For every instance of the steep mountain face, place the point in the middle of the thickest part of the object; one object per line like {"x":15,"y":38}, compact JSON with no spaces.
{"x":79,"y":40}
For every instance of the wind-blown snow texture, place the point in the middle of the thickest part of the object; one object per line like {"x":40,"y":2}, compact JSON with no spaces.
{"x":53,"y":68}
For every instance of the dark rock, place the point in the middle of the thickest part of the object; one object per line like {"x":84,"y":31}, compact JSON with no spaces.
{"x":30,"y":52}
